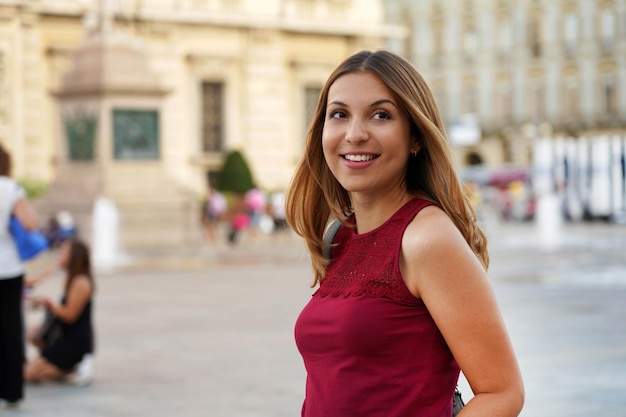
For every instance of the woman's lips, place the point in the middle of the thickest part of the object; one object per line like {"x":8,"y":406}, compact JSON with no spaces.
{"x":359,"y":161}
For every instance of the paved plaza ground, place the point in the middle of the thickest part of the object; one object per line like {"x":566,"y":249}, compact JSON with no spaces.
{"x":209,"y":331}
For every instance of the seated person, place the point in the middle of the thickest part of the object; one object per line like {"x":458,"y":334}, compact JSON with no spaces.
{"x":66,"y":338}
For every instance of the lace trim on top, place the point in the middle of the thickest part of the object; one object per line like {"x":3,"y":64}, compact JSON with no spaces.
{"x":355,"y":284}
{"x":368,"y":264}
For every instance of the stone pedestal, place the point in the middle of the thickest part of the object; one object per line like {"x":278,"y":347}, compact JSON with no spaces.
{"x":110,"y":147}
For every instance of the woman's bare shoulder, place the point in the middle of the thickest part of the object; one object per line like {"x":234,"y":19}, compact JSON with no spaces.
{"x":432,"y":236}
{"x":81,"y":283}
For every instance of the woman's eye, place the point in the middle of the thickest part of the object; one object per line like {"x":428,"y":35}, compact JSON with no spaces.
{"x":382,"y":115}
{"x":337,"y":114}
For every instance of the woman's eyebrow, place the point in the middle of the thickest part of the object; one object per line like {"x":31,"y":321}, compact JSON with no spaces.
{"x":383,"y":101}
{"x":374,"y":104}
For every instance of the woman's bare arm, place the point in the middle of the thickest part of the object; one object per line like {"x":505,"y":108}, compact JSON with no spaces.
{"x":439,"y":267}
{"x":26,"y":214}
{"x":78,"y":296}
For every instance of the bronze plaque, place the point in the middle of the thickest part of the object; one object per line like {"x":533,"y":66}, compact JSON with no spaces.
{"x":135,"y":134}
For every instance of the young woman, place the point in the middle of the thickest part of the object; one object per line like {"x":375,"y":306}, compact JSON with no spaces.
{"x":13,"y":202}
{"x":72,"y":338}
{"x":404,"y":302}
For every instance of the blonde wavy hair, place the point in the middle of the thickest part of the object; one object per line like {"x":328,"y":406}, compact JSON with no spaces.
{"x":315,"y":197}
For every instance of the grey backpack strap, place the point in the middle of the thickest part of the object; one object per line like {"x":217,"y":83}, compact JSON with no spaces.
{"x":329,"y":237}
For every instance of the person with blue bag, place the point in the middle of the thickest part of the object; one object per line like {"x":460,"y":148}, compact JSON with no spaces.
{"x":13,"y":204}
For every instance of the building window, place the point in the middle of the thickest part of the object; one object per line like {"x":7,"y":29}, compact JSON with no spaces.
{"x":469,"y":41}
{"x":534,"y":35}
{"x":609,"y":97}
{"x":2,"y":68}
{"x":231,"y":5}
{"x":469,"y":100}
{"x":504,"y":105}
{"x":538,"y":103}
{"x":440,"y":99}
{"x":338,"y":8}
{"x":608,"y":28}
{"x":504,"y":39}
{"x":571,"y":33}
{"x":437,"y":24}
{"x":306,"y":8}
{"x":572,"y":100}
{"x":3,"y":92}
{"x":311,"y":97}
{"x":212,"y":116}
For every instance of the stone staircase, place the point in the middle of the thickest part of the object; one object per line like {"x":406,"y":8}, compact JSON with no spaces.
{"x":153,"y":211}
{"x":74,"y":190}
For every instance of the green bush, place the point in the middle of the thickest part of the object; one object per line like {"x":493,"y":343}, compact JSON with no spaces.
{"x":235,"y":176}
{"x":33,"y":188}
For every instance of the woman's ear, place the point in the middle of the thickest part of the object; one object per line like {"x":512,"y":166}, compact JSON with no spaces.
{"x":415,"y":147}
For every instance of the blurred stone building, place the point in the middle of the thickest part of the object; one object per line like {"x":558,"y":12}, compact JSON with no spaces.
{"x":520,"y":69}
{"x":139,"y":101}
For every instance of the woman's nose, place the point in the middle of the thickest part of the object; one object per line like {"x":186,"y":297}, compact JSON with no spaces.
{"x":356,"y":132}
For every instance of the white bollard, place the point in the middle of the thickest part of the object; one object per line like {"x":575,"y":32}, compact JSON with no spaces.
{"x":600,"y":187}
{"x":548,"y":220}
{"x":104,"y":242}
{"x":618,"y":197}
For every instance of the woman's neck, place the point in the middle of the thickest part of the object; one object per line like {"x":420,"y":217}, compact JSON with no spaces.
{"x":371,"y":213}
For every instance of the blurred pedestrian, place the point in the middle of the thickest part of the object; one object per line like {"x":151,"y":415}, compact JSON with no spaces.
{"x":13,"y":202}
{"x":67,"y":225}
{"x":239,"y":220}
{"x":66,"y":338}
{"x":404,"y":301}
{"x":278,"y":212}
{"x":256,"y":208}
{"x":213,"y":211}
{"x":53,"y":232}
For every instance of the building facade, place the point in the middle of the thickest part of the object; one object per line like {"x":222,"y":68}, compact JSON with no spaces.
{"x":236,"y":74}
{"x":522,"y":68}
{"x":128,"y":107}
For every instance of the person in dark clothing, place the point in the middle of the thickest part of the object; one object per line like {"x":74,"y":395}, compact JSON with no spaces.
{"x":67,"y":334}
{"x":13,"y":202}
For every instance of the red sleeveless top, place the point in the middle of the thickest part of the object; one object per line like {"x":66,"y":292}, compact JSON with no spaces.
{"x":369,"y":346}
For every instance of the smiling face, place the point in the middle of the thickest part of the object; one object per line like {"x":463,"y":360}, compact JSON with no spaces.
{"x":366,"y":136}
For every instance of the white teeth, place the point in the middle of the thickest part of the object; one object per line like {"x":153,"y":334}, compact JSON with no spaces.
{"x":359,"y":158}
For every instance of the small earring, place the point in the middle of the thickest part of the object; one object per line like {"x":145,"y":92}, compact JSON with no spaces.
{"x":414,"y":153}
